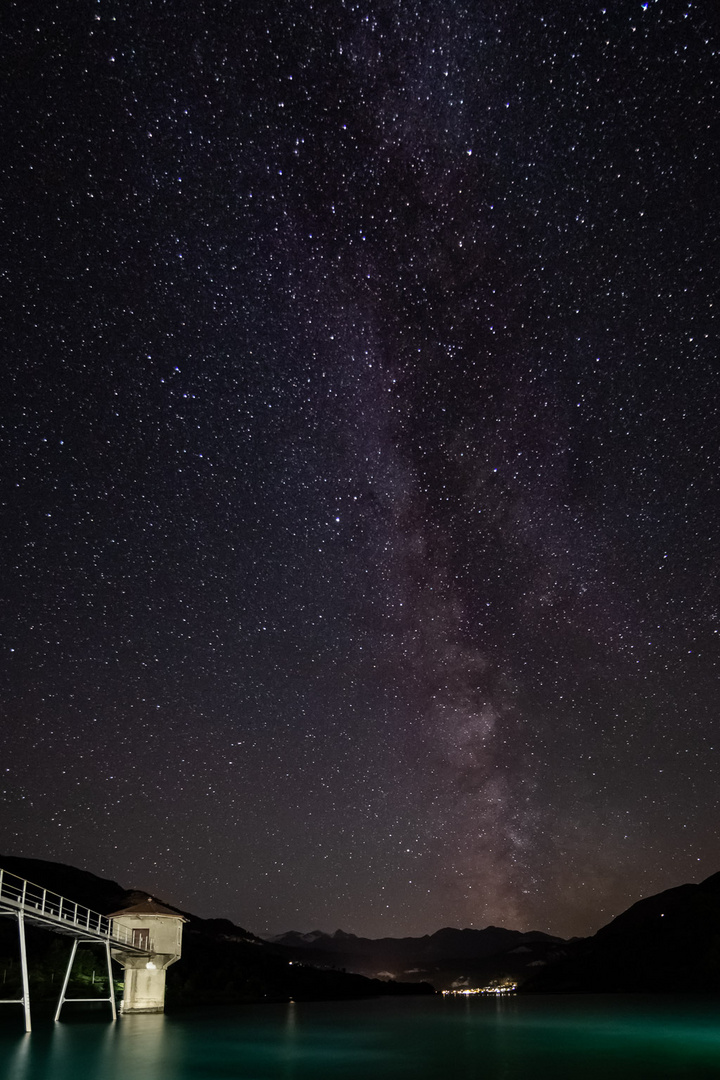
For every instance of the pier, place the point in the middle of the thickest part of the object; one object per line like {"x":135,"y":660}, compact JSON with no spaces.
{"x":136,"y":937}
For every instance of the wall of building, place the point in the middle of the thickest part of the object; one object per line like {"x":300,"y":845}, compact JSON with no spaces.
{"x":145,"y":985}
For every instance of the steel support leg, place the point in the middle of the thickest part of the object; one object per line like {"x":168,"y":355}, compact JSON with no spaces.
{"x":111,"y":984}
{"x":23,"y":965}
{"x":61,"y":1002}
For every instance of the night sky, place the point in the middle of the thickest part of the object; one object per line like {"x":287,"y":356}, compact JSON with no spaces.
{"x":360,"y":438}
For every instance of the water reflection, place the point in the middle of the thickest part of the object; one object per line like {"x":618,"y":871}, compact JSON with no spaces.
{"x":18,"y":1060}
{"x":142,"y":1047}
{"x":290,"y":1049}
{"x":500,"y":1039}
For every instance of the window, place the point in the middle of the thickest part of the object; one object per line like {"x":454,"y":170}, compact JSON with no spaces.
{"x":141,"y":938}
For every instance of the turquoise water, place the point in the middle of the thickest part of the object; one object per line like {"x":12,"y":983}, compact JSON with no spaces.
{"x":512,"y":1039}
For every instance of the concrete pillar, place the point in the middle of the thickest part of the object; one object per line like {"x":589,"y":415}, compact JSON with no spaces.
{"x":144,"y":988}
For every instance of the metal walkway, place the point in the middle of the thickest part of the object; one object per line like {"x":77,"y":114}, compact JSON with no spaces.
{"x":31,"y":903}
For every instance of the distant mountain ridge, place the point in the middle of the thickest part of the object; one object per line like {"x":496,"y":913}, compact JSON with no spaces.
{"x":666,"y":942}
{"x":449,"y":941}
{"x":448,"y":957}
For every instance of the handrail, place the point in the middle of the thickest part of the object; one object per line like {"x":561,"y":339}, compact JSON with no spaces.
{"x":47,"y":906}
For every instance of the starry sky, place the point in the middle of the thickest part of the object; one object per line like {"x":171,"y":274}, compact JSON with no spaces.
{"x":360,"y":455}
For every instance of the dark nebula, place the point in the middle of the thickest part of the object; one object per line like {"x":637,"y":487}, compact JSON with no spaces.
{"x":360,"y":440}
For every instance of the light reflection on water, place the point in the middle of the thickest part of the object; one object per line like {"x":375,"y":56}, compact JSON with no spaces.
{"x":629,"y":1038}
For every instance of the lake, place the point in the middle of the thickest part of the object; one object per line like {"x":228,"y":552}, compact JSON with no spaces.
{"x":514,"y":1038}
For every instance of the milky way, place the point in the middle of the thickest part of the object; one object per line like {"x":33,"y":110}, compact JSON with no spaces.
{"x":360,"y":456}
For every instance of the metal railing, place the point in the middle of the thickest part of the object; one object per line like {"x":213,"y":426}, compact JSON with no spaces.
{"x":43,"y":906}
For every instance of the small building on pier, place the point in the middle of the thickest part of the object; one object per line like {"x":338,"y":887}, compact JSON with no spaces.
{"x":157,"y":930}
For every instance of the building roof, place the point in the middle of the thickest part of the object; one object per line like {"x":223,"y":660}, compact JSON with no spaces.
{"x":148,"y":907}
